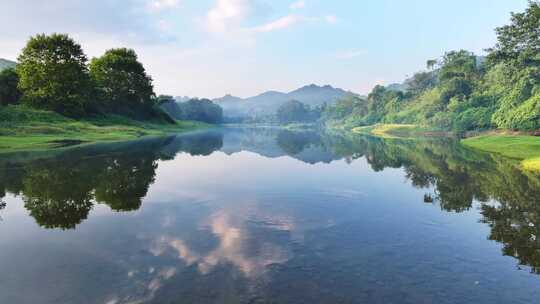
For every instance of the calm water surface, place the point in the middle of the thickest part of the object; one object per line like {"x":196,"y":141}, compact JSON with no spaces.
{"x":268,"y":216}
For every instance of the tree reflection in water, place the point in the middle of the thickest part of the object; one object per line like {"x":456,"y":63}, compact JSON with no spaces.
{"x":60,"y":191}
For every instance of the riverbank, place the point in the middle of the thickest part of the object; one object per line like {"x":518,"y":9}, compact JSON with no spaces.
{"x":517,"y":145}
{"x":399,"y":131}
{"x":23,"y":128}
{"x":521,"y":147}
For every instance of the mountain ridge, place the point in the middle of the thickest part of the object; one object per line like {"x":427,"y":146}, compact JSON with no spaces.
{"x":268,"y":102}
{"x":6,"y":64}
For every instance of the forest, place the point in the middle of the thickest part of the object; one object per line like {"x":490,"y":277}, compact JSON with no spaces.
{"x":462,"y":91}
{"x":54,"y":74}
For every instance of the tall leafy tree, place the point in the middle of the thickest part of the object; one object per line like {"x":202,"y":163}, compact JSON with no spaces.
{"x":517,"y":53}
{"x":519,"y":41}
{"x":122,"y":82}
{"x":53,"y":74}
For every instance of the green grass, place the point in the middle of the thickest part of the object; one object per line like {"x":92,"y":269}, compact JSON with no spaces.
{"x":520,"y":147}
{"x":394,"y":130}
{"x":23,"y":128}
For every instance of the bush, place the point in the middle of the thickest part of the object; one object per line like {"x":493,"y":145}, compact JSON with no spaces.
{"x":9,"y":93}
{"x":473,"y":119}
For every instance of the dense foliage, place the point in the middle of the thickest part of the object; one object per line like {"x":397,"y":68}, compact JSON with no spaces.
{"x":195,"y":109}
{"x":294,"y":111}
{"x":53,"y":74}
{"x":9,"y":93}
{"x":121,"y":82}
{"x":462,"y":91}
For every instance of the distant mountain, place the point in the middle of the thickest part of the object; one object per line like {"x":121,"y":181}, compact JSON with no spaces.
{"x":6,"y":64}
{"x":314,"y":95}
{"x":228,"y":99}
{"x":267,"y":103}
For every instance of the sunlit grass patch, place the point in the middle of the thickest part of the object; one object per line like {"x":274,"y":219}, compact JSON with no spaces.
{"x":394,"y":130}
{"x":521,"y":147}
{"x":23,"y":128}
{"x":532,"y":164}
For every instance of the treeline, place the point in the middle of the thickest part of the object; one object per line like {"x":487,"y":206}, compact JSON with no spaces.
{"x":194,"y":109}
{"x":295,"y":111}
{"x":53,"y":73}
{"x":462,"y":91}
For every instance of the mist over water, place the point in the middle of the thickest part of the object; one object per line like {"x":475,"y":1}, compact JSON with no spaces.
{"x":260,"y":215}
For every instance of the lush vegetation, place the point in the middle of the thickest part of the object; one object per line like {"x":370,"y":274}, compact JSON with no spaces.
{"x":395,"y":130}
{"x":54,"y":96}
{"x":23,"y":128}
{"x":194,"y":109}
{"x":53,"y":74}
{"x":9,"y":92}
{"x":294,"y":111}
{"x":526,"y":148}
{"x":122,"y":85}
{"x":462,"y":91}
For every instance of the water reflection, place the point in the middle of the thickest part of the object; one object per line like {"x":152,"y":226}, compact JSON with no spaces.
{"x":258,"y":237}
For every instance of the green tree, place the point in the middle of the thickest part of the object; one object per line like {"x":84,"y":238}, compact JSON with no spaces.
{"x":122,"y":83}
{"x":517,"y":54}
{"x":196,"y":109}
{"x":9,"y":93}
{"x":431,"y":63}
{"x":421,"y":82}
{"x":53,"y":74}
{"x":519,"y":42}
{"x":293,"y":111}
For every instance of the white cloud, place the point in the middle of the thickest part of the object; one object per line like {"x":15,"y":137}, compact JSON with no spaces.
{"x":228,"y":17}
{"x":298,"y":5}
{"x":279,"y":24}
{"x":159,"y":5}
{"x":227,"y":14}
{"x":331,"y":19}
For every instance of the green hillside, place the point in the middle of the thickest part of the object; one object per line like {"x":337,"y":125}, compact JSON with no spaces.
{"x":6,"y":64}
{"x":462,"y":91}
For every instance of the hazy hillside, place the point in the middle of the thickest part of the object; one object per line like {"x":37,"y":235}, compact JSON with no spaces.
{"x":314,"y":95}
{"x":5,"y":64}
{"x":267,"y":103}
{"x":398,"y":87}
{"x":183,"y":98}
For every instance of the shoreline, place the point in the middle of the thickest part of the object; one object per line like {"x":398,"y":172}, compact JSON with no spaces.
{"x":518,"y":145}
{"x":24,"y":129}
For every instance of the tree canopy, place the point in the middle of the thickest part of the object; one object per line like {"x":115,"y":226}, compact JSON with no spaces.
{"x":53,"y":74}
{"x":295,"y":111}
{"x":121,"y":81}
{"x":462,"y":91}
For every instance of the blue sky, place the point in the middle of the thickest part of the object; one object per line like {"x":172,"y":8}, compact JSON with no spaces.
{"x":209,"y":48}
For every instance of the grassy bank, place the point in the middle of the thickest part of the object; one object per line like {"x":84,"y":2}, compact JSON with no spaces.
{"x":397,"y":131}
{"x":521,"y":147}
{"x":23,"y":128}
